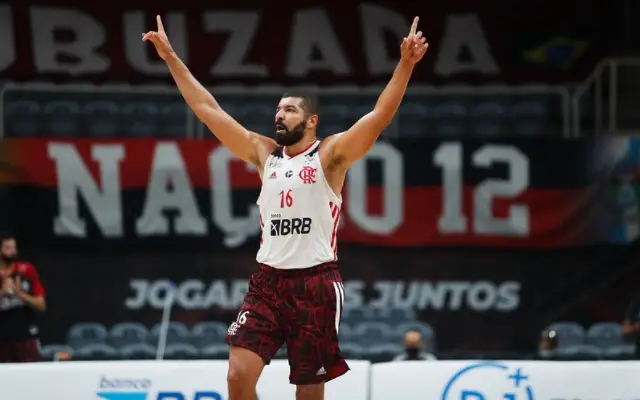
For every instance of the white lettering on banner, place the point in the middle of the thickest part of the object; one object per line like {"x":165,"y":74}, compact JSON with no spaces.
{"x":392,"y":190}
{"x":377,"y":22}
{"x":189,"y":294}
{"x":242,"y":27}
{"x":236,"y":229}
{"x":449,"y":157}
{"x":168,"y":168}
{"x":161,"y":380}
{"x":306,"y":41}
{"x":451,"y":296}
{"x":7,"y":40}
{"x":508,"y":380}
{"x":136,"y":53}
{"x":88,"y":37}
{"x":477,"y":296}
{"x":311,"y":30}
{"x":75,"y":180}
{"x":464,"y":32}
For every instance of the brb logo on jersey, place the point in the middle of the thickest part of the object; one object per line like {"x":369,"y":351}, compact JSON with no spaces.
{"x":289,"y":226}
{"x":308,"y":174}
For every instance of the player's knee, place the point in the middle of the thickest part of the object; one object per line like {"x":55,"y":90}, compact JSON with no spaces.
{"x":310,"y":392}
{"x":244,"y":368}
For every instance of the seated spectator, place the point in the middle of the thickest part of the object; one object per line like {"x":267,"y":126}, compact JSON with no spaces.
{"x":547,"y":345}
{"x":414,"y":348}
{"x":631,"y":323}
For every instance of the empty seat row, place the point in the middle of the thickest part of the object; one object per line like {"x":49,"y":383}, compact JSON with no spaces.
{"x":604,"y":334}
{"x":187,"y":351}
{"x":212,"y":332}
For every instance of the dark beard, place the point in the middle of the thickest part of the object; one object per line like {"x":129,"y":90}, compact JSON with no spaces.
{"x":290,"y":137}
{"x":7,"y":259}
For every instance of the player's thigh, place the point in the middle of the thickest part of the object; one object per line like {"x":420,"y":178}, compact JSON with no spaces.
{"x":313,"y":350}
{"x":256,"y":329}
{"x":245,"y":367}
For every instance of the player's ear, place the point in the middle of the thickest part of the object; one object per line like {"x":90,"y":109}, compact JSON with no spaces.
{"x":312,"y":121}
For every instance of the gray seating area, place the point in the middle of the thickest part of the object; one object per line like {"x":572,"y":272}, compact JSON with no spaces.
{"x":600,"y":341}
{"x":121,"y":113}
{"x":365,"y":334}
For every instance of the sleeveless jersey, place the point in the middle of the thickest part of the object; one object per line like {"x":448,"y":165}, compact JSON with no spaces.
{"x":299,"y":212}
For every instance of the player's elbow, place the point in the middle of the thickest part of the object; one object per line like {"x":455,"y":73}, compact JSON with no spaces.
{"x":40,"y":304}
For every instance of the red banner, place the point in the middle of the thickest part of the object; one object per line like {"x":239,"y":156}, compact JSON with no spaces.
{"x":506,"y":193}
{"x":302,"y":41}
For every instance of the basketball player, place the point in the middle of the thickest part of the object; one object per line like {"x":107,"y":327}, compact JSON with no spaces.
{"x":21,"y":296}
{"x":295,"y":297}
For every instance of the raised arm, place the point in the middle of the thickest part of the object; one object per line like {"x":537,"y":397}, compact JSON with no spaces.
{"x":353,"y":144}
{"x":244,"y":144}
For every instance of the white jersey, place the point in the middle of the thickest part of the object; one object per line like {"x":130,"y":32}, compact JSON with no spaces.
{"x":299,"y":212}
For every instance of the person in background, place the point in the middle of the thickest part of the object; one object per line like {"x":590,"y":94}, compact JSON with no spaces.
{"x":21,"y":296}
{"x":631,"y":323}
{"x":414,"y":348}
{"x":547,"y":345}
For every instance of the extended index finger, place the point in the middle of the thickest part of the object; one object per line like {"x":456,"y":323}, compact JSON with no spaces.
{"x":160,"y":26}
{"x":414,"y":26}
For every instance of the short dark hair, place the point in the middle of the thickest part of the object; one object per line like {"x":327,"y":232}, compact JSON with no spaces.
{"x":6,"y":236}
{"x":309,"y":101}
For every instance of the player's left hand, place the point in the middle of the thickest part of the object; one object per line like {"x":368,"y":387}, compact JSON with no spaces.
{"x":414,"y":46}
{"x":17,"y":287}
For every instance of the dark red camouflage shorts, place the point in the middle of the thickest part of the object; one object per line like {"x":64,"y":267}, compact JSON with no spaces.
{"x":299,"y":308}
{"x":20,"y":351}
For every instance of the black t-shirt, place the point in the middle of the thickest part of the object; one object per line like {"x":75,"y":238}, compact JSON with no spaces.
{"x":17,"y":320}
{"x":633,"y":314}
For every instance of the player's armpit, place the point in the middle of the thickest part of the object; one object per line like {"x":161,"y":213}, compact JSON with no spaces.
{"x":351,"y":145}
{"x":244,"y":144}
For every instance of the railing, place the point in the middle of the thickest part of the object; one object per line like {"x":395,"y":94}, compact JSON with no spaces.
{"x":196,"y":129}
{"x":605,"y":103}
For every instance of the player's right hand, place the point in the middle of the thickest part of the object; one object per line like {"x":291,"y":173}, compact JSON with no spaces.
{"x":160,"y":40}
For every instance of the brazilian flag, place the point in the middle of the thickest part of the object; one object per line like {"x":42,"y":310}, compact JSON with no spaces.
{"x":561,"y":51}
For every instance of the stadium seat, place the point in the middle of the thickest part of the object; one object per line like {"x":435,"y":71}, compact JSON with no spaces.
{"x":86,"y":333}
{"x":569,"y":333}
{"x":395,"y":315}
{"x":102,"y":117}
{"x":176,"y":332}
{"x":352,"y":351}
{"x":412,"y":120}
{"x":357,"y":314}
{"x":579,"y":352}
{"x":62,"y":118}
{"x":21,"y":118}
{"x":126,"y":333}
{"x":173,"y":120}
{"x":449,"y":119}
{"x":139,"y":351}
{"x":95,"y":352}
{"x":383,"y":352}
{"x":621,"y":352}
{"x":605,"y":334}
{"x":49,"y":352}
{"x":181,"y":351}
{"x":140,"y":119}
{"x":372,"y":332}
{"x":208,"y":332}
{"x":215,"y":352}
{"x":488,"y":119}
{"x":528,"y":117}
{"x":345,"y":332}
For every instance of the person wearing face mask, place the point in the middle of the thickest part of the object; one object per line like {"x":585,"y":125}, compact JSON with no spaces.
{"x":547,"y":345}
{"x":21,"y":296}
{"x":414,"y":348}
